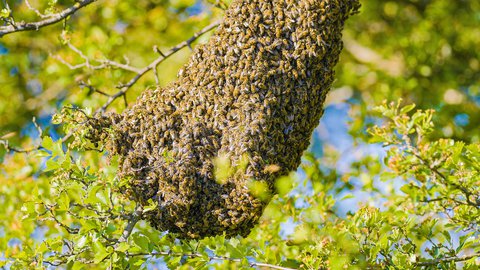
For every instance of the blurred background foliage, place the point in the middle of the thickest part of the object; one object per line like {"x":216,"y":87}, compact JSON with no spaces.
{"x":340,"y":208}
{"x":424,"y":51}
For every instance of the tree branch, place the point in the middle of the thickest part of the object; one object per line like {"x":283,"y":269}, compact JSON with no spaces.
{"x":219,"y":4}
{"x":450,"y":259}
{"x":37,"y":146}
{"x":135,"y":217}
{"x":52,"y":19}
{"x":69,"y":229}
{"x":468,"y":194}
{"x":211,"y":258}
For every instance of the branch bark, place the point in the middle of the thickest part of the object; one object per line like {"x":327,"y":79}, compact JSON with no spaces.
{"x":135,"y":217}
{"x":54,"y":18}
{"x":451,"y":259}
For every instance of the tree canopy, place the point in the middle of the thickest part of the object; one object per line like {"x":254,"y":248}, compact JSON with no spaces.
{"x":390,"y":181}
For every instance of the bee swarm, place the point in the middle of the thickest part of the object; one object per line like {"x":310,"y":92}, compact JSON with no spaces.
{"x":253,"y":93}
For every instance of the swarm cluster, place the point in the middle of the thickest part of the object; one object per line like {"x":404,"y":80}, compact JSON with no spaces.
{"x":253,"y":93}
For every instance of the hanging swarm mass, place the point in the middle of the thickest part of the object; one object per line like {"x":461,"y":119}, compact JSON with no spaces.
{"x":253,"y":94}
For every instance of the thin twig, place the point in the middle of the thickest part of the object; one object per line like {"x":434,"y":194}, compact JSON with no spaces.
{"x":9,"y":148}
{"x":38,"y":145}
{"x":92,"y":89}
{"x":54,"y":18}
{"x":220,"y":4}
{"x":69,"y":229}
{"x":39,"y":14}
{"x":463,"y":189}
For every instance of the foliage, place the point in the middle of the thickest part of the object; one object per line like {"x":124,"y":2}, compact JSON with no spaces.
{"x":418,"y":194}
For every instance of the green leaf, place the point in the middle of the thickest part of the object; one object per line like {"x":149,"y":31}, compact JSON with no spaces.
{"x":28,"y":210}
{"x":47,"y":143}
{"x":92,"y":194}
{"x":141,"y":241}
{"x":63,"y":202}
{"x":5,"y":13}
{"x":348,"y":196}
{"x":100,"y":252}
{"x":82,"y":242}
{"x":447,"y":236}
{"x":123,"y":247}
{"x":111,"y":227}
{"x":152,"y":205}
{"x":88,"y":225}
{"x":284,"y":185}
{"x":234,"y":242}
{"x":173,"y":262}
{"x":51,"y":165}
{"x":407,"y":108}
{"x":465,"y":241}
